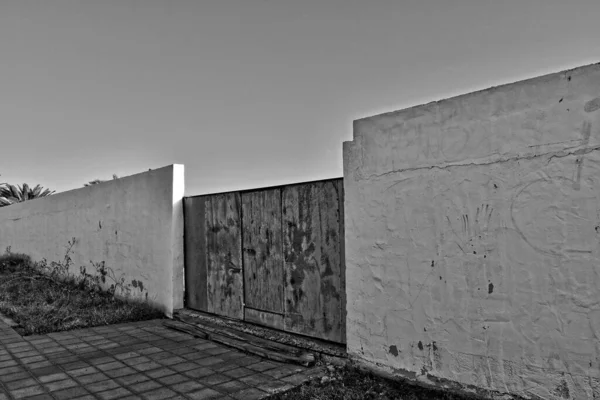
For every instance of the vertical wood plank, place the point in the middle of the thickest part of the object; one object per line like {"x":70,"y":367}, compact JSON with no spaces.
{"x":195,"y":253}
{"x":262,"y":255}
{"x":312,"y":248}
{"x":224,"y":259}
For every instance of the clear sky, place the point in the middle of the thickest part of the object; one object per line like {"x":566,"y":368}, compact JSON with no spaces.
{"x":249,"y":93}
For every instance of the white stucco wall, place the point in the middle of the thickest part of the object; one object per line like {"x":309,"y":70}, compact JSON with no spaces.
{"x":133,"y":224}
{"x":473,"y":238}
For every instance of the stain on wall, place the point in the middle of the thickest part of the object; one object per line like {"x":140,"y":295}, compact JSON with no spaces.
{"x":501,"y":188}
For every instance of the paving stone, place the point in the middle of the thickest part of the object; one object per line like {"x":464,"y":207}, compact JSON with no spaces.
{"x":27,"y":392}
{"x":113,"y":393}
{"x":101,"y":360}
{"x":86,"y":397}
{"x":205,"y":362}
{"x":102,"y":386}
{"x":66,"y":360}
{"x":71,"y":393}
{"x":195,"y":356}
{"x":199,"y":372}
{"x":180,"y":351}
{"x":52,"y":377}
{"x":116,"y":373}
{"x":60,"y":385}
{"x":45,"y":371}
{"x":110,"y":365}
{"x":231,"y":386}
{"x":150,"y":350}
{"x":108,"y":346}
{"x":204,"y":394}
{"x":187,"y":386}
{"x":86,"y":370}
{"x":229,"y":356}
{"x":262,"y":366}
{"x":93,"y":355}
{"x":14,"y":376}
{"x":41,"y":364}
{"x":159,"y":394}
{"x":250,"y":394}
{"x":145,"y":386}
{"x":27,"y":353}
{"x":184,"y":366}
{"x":125,"y":356}
{"x":132,"y":379}
{"x":150,"y":365}
{"x":91,"y":378}
{"x":239,"y":372}
{"x":256,"y":379}
{"x":159,"y":356}
{"x":136,"y":360}
{"x":75,"y":366}
{"x":171,"y":360}
{"x":6,"y":364}
{"x":216,"y":351}
{"x":157,"y":373}
{"x":31,"y":360}
{"x":10,"y":370}
{"x":43,"y":396}
{"x":245,"y":361}
{"x":223,"y":366}
{"x":215,"y":379}
{"x":173,"y":379}
{"x":21,"y":384}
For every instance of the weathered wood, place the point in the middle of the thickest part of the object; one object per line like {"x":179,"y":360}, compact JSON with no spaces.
{"x":262,"y":250}
{"x":264,"y":318}
{"x":235,"y":334}
{"x":302,"y":358}
{"x":301,"y":342}
{"x":312,"y":247}
{"x":195,"y":253}
{"x":224,"y":259}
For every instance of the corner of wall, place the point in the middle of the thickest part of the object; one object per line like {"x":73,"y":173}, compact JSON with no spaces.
{"x":177,"y":258}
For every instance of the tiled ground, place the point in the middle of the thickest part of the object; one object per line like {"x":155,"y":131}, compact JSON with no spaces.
{"x":142,"y":360}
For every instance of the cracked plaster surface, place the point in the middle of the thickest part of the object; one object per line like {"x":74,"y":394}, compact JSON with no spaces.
{"x":473,"y":238}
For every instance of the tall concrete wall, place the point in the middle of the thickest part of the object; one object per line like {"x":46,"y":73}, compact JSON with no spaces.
{"x":473,"y":239}
{"x":133,"y":224}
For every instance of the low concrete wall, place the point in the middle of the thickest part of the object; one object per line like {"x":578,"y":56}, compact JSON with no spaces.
{"x":473,"y":239}
{"x":133,"y":224}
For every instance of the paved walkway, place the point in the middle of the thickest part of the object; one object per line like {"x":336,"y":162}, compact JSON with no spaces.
{"x":142,"y":360}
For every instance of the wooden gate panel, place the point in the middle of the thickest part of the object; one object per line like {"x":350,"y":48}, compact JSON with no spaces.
{"x":262,"y":254}
{"x":195,"y":253}
{"x":313,"y":236}
{"x":224,"y":259}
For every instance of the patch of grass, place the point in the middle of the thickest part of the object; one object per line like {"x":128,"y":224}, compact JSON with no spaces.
{"x":349,"y":383}
{"x":42,"y":303}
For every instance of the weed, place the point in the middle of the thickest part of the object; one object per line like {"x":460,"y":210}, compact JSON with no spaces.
{"x":349,"y":383}
{"x":45,"y":297}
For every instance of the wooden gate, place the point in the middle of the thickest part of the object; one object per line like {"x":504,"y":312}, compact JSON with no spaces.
{"x":271,"y":256}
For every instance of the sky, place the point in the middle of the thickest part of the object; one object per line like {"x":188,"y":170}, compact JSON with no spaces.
{"x":249,"y":93}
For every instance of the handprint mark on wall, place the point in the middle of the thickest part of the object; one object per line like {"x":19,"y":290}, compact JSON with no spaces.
{"x":475,"y":229}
